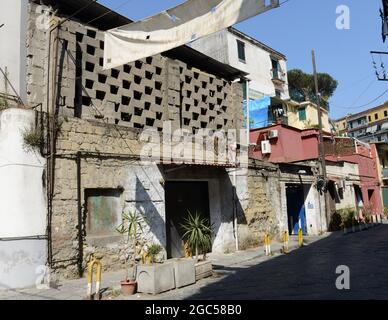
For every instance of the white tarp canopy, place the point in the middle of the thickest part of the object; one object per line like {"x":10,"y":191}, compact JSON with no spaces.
{"x":169,"y":29}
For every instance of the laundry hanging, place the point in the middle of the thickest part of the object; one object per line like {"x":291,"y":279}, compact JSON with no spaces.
{"x":169,"y":29}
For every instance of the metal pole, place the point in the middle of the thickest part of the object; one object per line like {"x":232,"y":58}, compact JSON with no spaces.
{"x":248,"y":111}
{"x":322,"y":159}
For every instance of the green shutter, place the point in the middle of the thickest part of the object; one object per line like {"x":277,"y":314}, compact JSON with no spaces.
{"x":302,"y":114}
{"x":385,"y":196}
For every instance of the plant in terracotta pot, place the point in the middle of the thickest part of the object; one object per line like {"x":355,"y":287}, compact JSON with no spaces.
{"x":198,"y":234}
{"x":132,"y":223}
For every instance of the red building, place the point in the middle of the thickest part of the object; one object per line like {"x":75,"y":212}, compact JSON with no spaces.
{"x":284,"y":144}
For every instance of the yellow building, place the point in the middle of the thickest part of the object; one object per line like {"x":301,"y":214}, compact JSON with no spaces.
{"x":377,"y":114}
{"x":305,"y":116}
{"x":341,"y":126}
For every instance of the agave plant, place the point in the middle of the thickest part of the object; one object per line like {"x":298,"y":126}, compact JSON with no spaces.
{"x":198,"y":233}
{"x":132,"y":223}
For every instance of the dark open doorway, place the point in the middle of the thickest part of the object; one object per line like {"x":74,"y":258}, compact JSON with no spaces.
{"x":295,"y":208}
{"x":181,"y":197}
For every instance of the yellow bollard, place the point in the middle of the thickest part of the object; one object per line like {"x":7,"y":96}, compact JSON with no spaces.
{"x":300,"y":237}
{"x":267,"y":244}
{"x":285,"y":242}
{"x":188,"y":252}
{"x":94,"y":262}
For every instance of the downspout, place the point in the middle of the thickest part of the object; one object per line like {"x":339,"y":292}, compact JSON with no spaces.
{"x":235,"y":210}
{"x":80,"y":222}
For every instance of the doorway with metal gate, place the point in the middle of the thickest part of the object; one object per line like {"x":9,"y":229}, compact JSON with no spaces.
{"x":296,"y":212}
{"x":182,"y":197}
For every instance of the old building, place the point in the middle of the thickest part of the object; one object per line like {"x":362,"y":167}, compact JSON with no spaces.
{"x":268,"y":86}
{"x":351,"y":166}
{"x":160,"y":135}
{"x":370,"y":125}
{"x":382,"y":151}
{"x":304,"y":115}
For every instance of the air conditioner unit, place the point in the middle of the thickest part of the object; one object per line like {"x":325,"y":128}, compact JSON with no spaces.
{"x":273,"y":134}
{"x":265,"y":147}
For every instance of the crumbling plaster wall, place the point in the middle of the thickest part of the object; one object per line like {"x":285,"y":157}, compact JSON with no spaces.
{"x":113,"y":107}
{"x":258,"y":191}
{"x":106,"y":164}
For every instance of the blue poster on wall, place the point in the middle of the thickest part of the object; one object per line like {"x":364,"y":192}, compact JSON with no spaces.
{"x":258,"y":112}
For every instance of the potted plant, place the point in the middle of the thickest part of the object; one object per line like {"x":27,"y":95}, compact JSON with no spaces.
{"x":152,"y":251}
{"x":198,"y":236}
{"x":132,"y":222}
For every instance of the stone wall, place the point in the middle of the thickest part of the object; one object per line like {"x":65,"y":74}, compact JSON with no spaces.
{"x":109,"y":161}
{"x":258,"y":191}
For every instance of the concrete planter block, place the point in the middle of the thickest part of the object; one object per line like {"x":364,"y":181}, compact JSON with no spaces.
{"x":184,"y":271}
{"x":203,"y":269}
{"x":155,"y":278}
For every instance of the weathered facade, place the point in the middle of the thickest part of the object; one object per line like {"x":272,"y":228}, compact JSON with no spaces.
{"x":98,"y":171}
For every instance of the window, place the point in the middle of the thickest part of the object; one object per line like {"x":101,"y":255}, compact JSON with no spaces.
{"x":376,"y":116}
{"x":369,"y":118}
{"x":359,"y":122}
{"x":275,"y":69}
{"x":302,"y":114}
{"x":351,"y":125}
{"x":385,"y":113}
{"x":241,"y":50}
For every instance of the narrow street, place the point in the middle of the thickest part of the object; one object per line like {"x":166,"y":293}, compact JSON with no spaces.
{"x":309,"y":273}
{"x":305,"y":273}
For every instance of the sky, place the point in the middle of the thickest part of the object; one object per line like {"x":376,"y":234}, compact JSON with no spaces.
{"x":299,"y":26}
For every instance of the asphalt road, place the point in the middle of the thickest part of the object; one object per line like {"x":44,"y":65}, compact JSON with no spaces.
{"x":309,"y":273}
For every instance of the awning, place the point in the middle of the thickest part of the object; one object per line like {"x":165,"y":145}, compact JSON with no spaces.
{"x":384,"y":126}
{"x":373,"y":129}
{"x":180,"y":25}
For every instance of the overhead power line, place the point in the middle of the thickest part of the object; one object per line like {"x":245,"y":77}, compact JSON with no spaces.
{"x":366,"y":104}
{"x":110,"y":11}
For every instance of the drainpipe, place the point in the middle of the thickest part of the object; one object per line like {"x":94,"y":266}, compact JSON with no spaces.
{"x":235,"y":210}
{"x":80,"y":220}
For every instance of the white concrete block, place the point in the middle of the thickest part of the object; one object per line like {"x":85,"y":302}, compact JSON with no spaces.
{"x":155,"y":278}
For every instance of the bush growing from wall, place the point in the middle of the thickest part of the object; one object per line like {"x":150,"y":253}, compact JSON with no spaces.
{"x":32,"y":139}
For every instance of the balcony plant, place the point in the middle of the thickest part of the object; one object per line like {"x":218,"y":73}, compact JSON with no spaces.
{"x":132,"y":223}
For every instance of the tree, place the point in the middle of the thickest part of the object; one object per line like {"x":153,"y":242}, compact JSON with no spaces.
{"x":302,"y":86}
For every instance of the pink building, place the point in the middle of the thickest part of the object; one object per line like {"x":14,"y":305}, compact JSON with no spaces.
{"x":280,"y":143}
